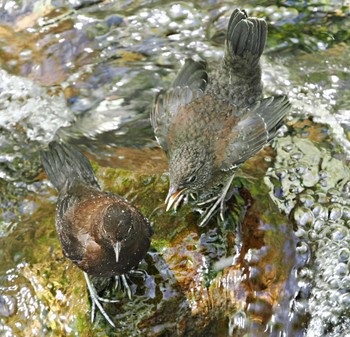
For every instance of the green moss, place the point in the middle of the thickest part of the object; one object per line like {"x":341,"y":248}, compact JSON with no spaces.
{"x":160,"y":244}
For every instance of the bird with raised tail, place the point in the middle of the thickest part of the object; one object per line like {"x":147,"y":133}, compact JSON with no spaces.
{"x":209,"y":123}
{"x":102,"y":233}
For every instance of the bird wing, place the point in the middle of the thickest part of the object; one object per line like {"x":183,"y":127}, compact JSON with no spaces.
{"x":189,"y":85}
{"x":257,"y":126}
{"x":64,"y":164}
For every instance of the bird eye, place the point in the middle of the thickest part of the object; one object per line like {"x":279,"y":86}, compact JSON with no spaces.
{"x":191,"y":179}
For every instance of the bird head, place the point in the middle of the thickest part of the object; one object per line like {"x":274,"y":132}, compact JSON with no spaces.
{"x":116,"y":228}
{"x":190,"y":169}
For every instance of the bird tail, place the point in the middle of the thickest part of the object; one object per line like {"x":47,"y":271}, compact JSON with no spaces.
{"x":64,"y":164}
{"x":245,"y":39}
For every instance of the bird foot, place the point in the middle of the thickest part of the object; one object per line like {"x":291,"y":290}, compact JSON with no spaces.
{"x":219,"y":200}
{"x":122,"y":283}
{"x":96,"y":302}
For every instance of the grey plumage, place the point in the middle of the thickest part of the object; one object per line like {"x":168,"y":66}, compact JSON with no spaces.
{"x":209,"y":123}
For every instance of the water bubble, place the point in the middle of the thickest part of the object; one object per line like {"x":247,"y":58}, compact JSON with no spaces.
{"x":343,"y":255}
{"x":310,"y":179}
{"x":318,"y":225}
{"x":320,"y":211}
{"x":303,"y":216}
{"x":345,"y":283}
{"x":300,"y":233}
{"x":281,"y":173}
{"x":322,"y":197}
{"x":293,"y":177}
{"x":302,"y":248}
{"x":296,"y":189}
{"x":346,"y":212}
{"x":336,"y":213}
{"x":333,"y":297}
{"x":345,"y":299}
{"x":334,"y":283}
{"x":335,"y":199}
{"x":333,"y":191}
{"x":323,"y":183}
{"x":289,"y":205}
{"x":341,"y":269}
{"x":301,"y":169}
{"x":304,"y":273}
{"x":339,"y":233}
{"x":307,"y":200}
{"x":325,"y":233}
{"x":312,"y":235}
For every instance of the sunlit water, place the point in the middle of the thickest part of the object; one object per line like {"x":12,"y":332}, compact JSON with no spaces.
{"x":87,"y":73}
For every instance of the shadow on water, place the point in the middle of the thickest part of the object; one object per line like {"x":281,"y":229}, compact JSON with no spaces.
{"x":87,"y":72}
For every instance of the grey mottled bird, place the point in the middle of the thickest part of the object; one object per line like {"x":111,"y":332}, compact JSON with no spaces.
{"x":210,"y":123}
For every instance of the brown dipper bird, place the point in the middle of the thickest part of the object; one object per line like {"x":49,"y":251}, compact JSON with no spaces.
{"x":209,"y":124}
{"x":102,"y":233}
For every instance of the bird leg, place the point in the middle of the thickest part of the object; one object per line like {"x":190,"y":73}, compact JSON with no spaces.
{"x":126,"y":286}
{"x":219,"y":200}
{"x":96,"y":302}
{"x":121,"y":281}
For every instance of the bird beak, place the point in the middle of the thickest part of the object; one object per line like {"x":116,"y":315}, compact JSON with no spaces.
{"x":117,"y":249}
{"x":174,"y":196}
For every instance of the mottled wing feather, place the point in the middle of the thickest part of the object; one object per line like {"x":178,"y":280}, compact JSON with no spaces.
{"x":256,"y":128}
{"x":189,"y":85}
{"x":193,"y":74}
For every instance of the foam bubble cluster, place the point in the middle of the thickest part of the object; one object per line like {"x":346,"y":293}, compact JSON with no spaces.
{"x":313,"y":188}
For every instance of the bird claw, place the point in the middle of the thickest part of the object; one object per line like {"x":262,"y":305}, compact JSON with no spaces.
{"x":96,"y":302}
{"x":138,"y":273}
{"x":219,"y":200}
{"x":209,"y":213}
{"x":121,"y":282}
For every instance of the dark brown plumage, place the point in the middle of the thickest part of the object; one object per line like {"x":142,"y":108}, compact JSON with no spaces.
{"x":210,"y":123}
{"x":102,"y":233}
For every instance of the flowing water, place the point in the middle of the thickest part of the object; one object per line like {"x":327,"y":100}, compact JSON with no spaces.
{"x":86,"y":72}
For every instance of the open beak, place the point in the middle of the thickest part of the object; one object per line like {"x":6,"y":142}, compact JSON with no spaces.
{"x":174,"y":197}
{"x":117,"y":249}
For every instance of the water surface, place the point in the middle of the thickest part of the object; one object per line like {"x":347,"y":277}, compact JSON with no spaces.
{"x":87,"y":72}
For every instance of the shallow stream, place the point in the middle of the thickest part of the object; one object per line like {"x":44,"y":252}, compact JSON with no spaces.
{"x":87,"y":72}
